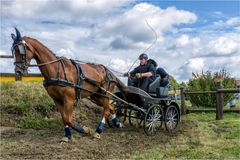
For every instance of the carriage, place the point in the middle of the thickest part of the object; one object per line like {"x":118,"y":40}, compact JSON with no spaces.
{"x":149,"y":109}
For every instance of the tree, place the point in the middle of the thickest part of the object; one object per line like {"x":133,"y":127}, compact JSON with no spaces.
{"x":175,"y":84}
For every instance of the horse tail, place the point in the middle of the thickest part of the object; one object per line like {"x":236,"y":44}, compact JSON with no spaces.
{"x":122,"y":88}
{"x":120,"y":85}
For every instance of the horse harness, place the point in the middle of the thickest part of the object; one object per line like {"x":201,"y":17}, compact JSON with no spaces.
{"x":22,"y":46}
{"x":80,"y":79}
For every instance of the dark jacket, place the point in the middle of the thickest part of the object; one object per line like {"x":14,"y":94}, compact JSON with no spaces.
{"x":143,"y":69}
{"x":154,"y":63}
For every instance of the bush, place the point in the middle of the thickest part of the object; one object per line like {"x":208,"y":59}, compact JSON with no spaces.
{"x":208,"y":82}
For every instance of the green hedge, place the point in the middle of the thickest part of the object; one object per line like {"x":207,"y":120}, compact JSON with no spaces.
{"x":208,"y":82}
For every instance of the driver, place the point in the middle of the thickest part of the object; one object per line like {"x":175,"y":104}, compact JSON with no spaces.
{"x":142,"y":75}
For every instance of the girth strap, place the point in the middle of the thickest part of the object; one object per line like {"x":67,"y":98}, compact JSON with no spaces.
{"x":80,"y":77}
{"x":56,"y":81}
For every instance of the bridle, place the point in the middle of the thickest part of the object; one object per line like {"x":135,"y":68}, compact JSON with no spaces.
{"x":22,"y":47}
{"x":24,"y":63}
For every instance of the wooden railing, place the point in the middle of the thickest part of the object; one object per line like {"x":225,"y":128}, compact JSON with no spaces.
{"x":219,"y":100}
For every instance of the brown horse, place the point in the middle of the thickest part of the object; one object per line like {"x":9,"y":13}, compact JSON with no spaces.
{"x":61,"y":78}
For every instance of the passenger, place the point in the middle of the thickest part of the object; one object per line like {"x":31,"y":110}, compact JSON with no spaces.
{"x":154,"y":63}
{"x":142,"y":75}
{"x":164,"y":76}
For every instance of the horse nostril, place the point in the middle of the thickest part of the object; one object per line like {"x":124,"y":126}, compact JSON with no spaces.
{"x":19,"y":73}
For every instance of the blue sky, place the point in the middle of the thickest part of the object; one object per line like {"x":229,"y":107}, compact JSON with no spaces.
{"x":192,"y":35}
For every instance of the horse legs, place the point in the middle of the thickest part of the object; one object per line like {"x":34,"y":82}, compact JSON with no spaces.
{"x":105,"y":115}
{"x":115,"y":119}
{"x":66,"y":111}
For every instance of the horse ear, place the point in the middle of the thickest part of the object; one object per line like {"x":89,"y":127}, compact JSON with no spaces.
{"x":18,"y":33}
{"x":13,"y":36}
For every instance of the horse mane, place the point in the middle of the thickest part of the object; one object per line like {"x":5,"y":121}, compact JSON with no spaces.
{"x":36,"y":42}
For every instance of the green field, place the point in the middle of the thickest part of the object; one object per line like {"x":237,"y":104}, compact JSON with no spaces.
{"x":31,"y":128}
{"x":206,"y":139}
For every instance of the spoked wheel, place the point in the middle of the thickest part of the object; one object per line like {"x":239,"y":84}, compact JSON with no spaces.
{"x":135,"y":118}
{"x":172,"y":118}
{"x":153,"y":120}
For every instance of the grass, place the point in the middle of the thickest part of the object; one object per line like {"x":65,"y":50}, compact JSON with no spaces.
{"x":30,"y":102}
{"x":39,"y":123}
{"x":204,"y":138}
{"x":25,"y":98}
{"x":209,"y":139}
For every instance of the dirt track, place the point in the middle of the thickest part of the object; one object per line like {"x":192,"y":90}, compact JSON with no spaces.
{"x":115,"y":143}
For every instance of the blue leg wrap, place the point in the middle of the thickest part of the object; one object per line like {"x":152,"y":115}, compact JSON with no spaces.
{"x":68,"y":132}
{"x":100,"y":127}
{"x":116,"y":122}
{"x":78,"y":128}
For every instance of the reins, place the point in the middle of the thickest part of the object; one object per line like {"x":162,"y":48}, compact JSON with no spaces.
{"x":43,"y":64}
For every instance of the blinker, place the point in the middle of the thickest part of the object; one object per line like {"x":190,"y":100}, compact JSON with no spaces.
{"x":22,"y":49}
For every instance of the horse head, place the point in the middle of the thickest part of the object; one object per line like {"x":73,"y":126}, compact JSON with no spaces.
{"x":22,"y":54}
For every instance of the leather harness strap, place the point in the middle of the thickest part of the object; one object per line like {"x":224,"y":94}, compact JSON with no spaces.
{"x":80,"y":78}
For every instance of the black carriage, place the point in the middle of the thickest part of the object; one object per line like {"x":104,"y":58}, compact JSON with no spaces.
{"x":149,"y":109}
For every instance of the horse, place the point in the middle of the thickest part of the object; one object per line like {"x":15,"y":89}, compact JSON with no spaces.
{"x":66,"y":81}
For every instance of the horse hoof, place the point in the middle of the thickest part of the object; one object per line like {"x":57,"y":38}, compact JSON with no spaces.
{"x":96,"y":135}
{"x":121,"y":125}
{"x":87,"y":130}
{"x":65,"y":140}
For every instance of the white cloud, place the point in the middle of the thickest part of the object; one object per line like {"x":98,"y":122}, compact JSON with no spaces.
{"x":233,"y":21}
{"x":185,"y":40}
{"x":62,"y":11}
{"x":196,"y":64}
{"x":131,"y":24}
{"x":66,"y":52}
{"x":120,"y":65}
{"x":223,"y":46}
{"x":114,"y":33}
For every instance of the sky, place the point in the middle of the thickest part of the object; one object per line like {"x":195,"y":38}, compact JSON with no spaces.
{"x":192,"y":36}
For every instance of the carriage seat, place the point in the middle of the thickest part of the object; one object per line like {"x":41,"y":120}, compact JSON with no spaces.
{"x":155,"y":84}
{"x":156,"y":88}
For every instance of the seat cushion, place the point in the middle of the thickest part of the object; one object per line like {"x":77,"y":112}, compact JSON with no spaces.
{"x":155,"y":84}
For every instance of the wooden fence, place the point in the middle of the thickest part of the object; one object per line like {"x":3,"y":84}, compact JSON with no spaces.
{"x":219,"y":101}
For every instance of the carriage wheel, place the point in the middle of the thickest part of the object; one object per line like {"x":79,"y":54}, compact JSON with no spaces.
{"x":135,"y":118}
{"x":153,"y":120}
{"x":172,"y":118}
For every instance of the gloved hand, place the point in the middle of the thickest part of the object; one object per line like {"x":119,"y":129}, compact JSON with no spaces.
{"x":127,"y":74}
{"x":138,"y":75}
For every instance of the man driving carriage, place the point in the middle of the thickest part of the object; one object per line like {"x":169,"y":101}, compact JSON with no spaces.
{"x":146,"y":73}
{"x":142,"y":75}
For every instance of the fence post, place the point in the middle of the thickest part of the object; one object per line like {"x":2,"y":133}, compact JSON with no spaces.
{"x":219,"y":102}
{"x":183,"y":104}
